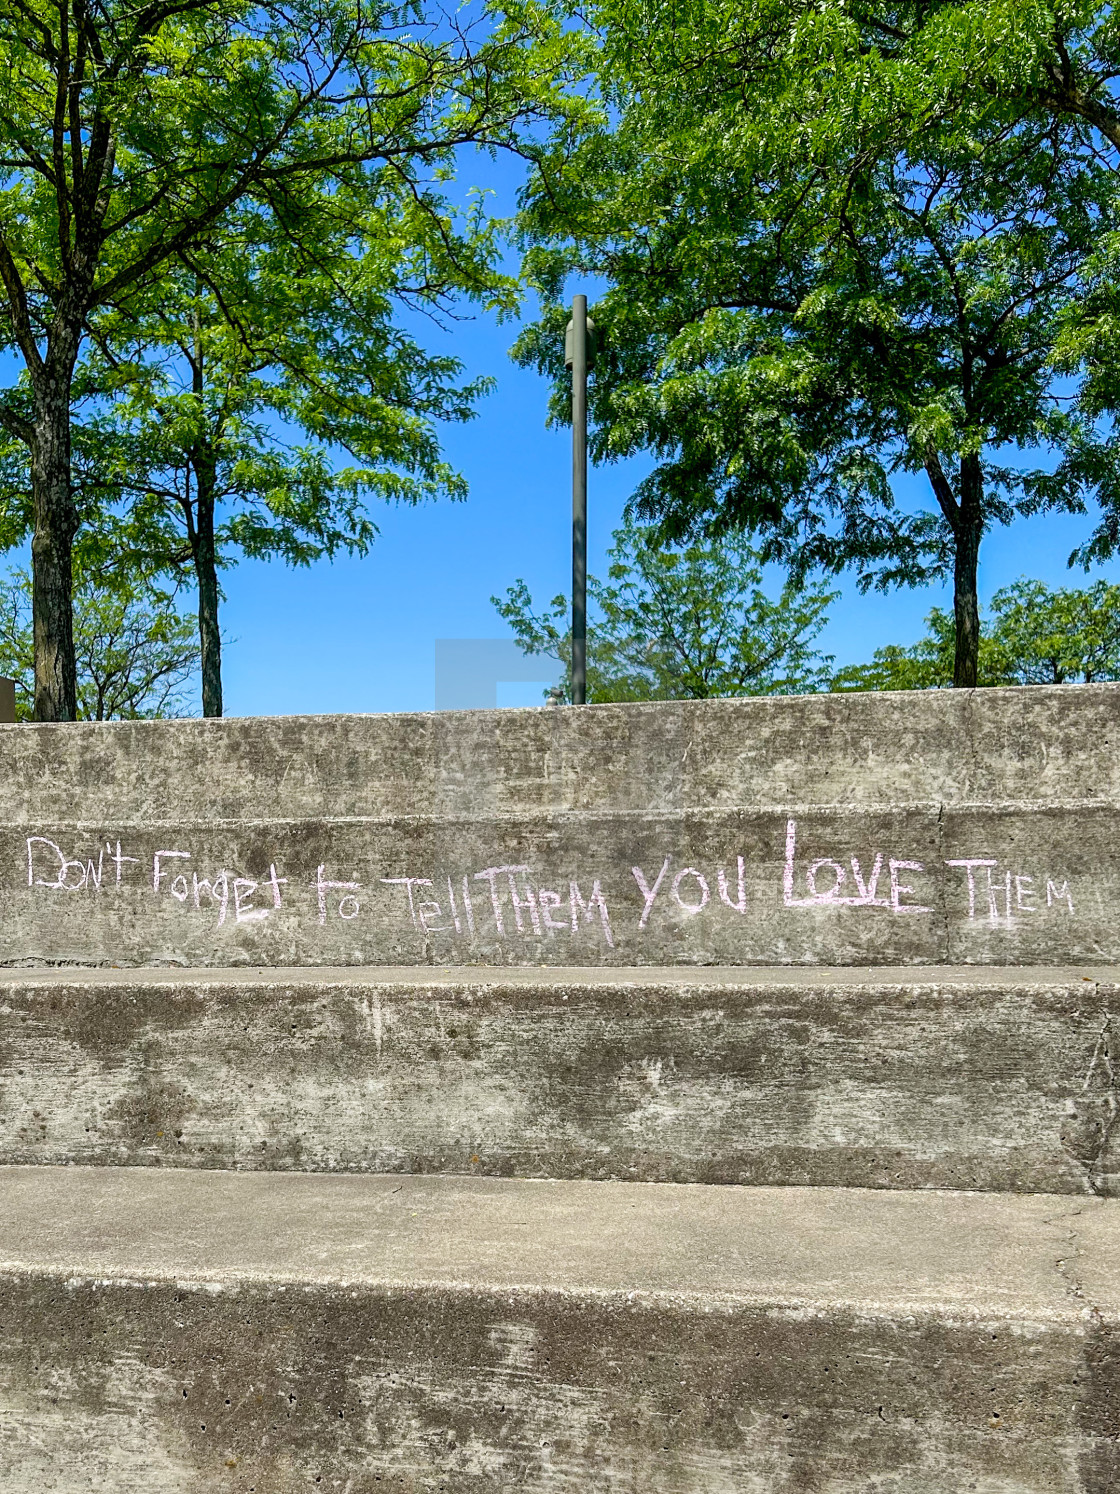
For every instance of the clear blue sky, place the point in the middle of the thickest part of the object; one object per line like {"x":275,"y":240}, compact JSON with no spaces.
{"x":359,"y":635}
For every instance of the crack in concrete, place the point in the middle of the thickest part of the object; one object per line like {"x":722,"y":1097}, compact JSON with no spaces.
{"x":1066,"y":1263}
{"x":972,"y":750}
{"x":1102,"y":1054}
{"x":1093,"y":1466}
{"x":1092,"y":1120}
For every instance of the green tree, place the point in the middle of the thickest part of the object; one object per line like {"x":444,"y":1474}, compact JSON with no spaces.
{"x":219,"y":438}
{"x":1062,"y":637}
{"x":1034,"y":636}
{"x":135,"y":654}
{"x":833,"y":258}
{"x":683,"y":623}
{"x":131,"y":137}
{"x":925,"y":665}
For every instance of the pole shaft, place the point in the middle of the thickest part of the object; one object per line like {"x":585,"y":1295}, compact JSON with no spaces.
{"x":579,"y":500}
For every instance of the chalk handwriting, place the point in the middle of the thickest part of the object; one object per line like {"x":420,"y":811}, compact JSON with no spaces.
{"x":348,"y":906}
{"x":84,"y":872}
{"x":648,"y":892}
{"x":1005,"y":895}
{"x":48,"y":866}
{"x":518,"y":905}
{"x":825,"y":879}
{"x":513,"y":901}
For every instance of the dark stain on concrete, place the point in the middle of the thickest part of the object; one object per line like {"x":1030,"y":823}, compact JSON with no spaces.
{"x":271,"y":1390}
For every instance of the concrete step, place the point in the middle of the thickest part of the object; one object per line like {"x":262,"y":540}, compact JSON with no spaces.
{"x":924,"y":828}
{"x":915,"y":884}
{"x":203,"y":1331}
{"x":892,"y":1078}
{"x":1035,"y":745}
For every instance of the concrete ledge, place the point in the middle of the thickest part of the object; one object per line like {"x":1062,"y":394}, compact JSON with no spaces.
{"x":964,"y":1078}
{"x":1034,"y":1258}
{"x":205,"y":1331}
{"x":920,"y":828}
{"x":952,"y":746}
{"x":1006,"y":883}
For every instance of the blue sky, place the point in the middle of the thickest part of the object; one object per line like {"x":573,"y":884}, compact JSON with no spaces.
{"x":359,"y":635}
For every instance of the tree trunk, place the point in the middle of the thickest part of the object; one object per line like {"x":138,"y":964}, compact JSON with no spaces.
{"x":966,"y":605}
{"x":207,"y":573}
{"x":56,"y":523}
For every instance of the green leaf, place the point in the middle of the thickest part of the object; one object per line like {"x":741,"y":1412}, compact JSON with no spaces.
{"x":682,"y":622}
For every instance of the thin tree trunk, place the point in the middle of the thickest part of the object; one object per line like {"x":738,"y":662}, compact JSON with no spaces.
{"x":207,"y":573}
{"x":966,"y":605}
{"x":56,"y":523}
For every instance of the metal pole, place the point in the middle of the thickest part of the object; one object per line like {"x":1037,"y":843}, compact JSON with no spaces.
{"x":579,"y":499}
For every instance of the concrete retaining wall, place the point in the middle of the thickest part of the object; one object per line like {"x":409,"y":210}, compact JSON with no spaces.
{"x":981,"y":1079}
{"x":924,"y":828}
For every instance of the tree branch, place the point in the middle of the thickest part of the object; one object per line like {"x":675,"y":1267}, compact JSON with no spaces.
{"x":18,"y":309}
{"x":942,"y":489}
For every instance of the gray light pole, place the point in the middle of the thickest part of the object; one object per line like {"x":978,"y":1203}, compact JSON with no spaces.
{"x":575,"y":357}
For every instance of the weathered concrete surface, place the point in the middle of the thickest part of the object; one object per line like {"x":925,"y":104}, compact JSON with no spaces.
{"x":1021,"y":745}
{"x":919,"y":828}
{"x":962,"y":1078}
{"x":255,"y":1332}
{"x":1026,"y":884}
{"x":182,"y":1328}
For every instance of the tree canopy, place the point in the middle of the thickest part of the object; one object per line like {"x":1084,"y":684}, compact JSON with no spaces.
{"x":681,"y":623}
{"x":224,"y":408}
{"x":135,"y":139}
{"x":136,"y":655}
{"x":1033,"y":636}
{"x":842,"y":243}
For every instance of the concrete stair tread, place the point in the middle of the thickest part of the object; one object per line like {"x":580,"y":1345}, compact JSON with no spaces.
{"x":175,"y":1332}
{"x":547,"y":978}
{"x":1036,"y":1258}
